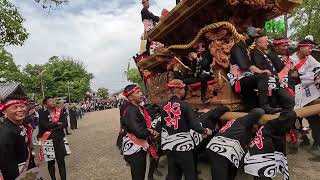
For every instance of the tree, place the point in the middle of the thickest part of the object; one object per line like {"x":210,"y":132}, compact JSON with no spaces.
{"x":58,"y":77}
{"x":103,"y":93}
{"x":306,"y":20}
{"x":12,"y":31}
{"x":8,"y":69}
{"x":64,"y":75}
{"x":32,"y":79}
{"x":133,"y":75}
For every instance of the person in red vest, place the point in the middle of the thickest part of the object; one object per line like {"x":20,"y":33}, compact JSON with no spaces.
{"x":309,"y":88}
{"x":136,"y":123}
{"x":53,"y":144}
{"x":177,"y":119}
{"x":245,"y":77}
{"x":277,"y":88}
{"x":15,"y":139}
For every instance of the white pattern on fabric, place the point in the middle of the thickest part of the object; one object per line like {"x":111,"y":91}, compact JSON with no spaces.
{"x":155,"y":122}
{"x":150,"y":24}
{"x":272,"y":83}
{"x":236,"y":74}
{"x":309,"y":89}
{"x":284,"y":82}
{"x":266,"y":165}
{"x":196,"y":137}
{"x":129,"y":147}
{"x":177,"y":142}
{"x":48,"y":149}
{"x":20,"y":166}
{"x":229,"y":148}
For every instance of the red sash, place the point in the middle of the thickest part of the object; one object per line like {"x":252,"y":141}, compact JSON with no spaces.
{"x":146,"y":116}
{"x":301,"y":63}
{"x":292,"y":137}
{"x":143,"y":143}
{"x":46,"y":134}
{"x":290,"y":91}
{"x":284,"y":72}
{"x":151,"y":149}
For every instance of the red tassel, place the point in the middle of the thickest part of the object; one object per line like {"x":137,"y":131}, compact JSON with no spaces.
{"x":290,"y":91}
{"x":153,"y":152}
{"x":237,"y":86}
{"x":292,"y":137}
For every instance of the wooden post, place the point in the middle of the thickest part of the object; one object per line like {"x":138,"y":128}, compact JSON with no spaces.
{"x":285,"y":33}
{"x":301,"y":112}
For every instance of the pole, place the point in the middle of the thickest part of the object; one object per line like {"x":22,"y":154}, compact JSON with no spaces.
{"x":301,"y":112}
{"x":285,"y":25}
{"x":69,"y":91}
{"x":41,"y":81}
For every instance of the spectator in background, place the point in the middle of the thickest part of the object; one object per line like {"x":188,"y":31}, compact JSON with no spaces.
{"x":73,"y":117}
{"x":66,"y":112}
{"x":33,"y":119}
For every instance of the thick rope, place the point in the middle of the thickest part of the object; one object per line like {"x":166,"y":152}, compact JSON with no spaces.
{"x":235,"y":35}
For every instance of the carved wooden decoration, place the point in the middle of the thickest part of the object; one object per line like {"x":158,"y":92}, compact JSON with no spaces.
{"x":182,"y":25}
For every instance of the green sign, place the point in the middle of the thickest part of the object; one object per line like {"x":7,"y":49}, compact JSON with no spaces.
{"x":274,"y":26}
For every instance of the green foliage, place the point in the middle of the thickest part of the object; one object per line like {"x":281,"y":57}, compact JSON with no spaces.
{"x":32,"y":79}
{"x":306,"y":20}
{"x":12,"y":31}
{"x":8,"y":69}
{"x":133,"y":75}
{"x":66,"y":74}
{"x":59,"y":77}
{"x":103,"y":93}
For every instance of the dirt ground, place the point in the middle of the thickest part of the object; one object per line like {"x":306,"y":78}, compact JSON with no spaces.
{"x":95,"y":156}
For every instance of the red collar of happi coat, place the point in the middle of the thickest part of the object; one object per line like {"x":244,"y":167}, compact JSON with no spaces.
{"x":301,"y":63}
{"x":46,"y":134}
{"x":56,"y":116}
{"x":146,"y":116}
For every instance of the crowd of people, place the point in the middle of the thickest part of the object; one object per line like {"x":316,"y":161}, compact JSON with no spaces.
{"x":98,"y":105}
{"x":25,"y":125}
{"x":269,"y":77}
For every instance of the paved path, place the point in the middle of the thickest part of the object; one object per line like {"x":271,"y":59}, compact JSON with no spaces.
{"x":95,"y":156}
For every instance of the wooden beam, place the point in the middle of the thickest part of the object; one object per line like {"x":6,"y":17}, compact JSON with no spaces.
{"x":301,"y":112}
{"x":177,"y":16}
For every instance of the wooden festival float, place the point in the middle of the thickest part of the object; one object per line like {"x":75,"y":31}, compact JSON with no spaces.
{"x":219,"y":22}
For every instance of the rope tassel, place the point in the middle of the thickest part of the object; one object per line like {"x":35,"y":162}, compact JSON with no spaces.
{"x":237,"y":37}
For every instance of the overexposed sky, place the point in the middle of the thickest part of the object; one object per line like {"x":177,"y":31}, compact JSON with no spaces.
{"x":103,"y":34}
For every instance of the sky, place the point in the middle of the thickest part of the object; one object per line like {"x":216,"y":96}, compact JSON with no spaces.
{"x":104,"y":34}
